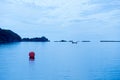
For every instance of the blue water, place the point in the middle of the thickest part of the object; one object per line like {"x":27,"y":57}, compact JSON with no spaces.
{"x":60,"y":61}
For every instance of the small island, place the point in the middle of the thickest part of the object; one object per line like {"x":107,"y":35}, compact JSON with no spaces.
{"x":36,"y":39}
{"x":61,"y":41}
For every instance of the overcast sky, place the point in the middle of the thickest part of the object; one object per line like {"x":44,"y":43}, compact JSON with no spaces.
{"x":62,"y":19}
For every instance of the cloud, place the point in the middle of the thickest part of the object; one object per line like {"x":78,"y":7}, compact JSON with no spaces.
{"x":62,"y":9}
{"x":106,"y":16}
{"x":107,"y":12}
{"x":68,"y":16}
{"x":51,"y":11}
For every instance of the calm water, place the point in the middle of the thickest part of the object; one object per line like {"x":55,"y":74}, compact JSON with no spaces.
{"x":60,"y":61}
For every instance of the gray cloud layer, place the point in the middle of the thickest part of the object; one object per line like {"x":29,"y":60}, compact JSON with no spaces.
{"x":49,"y":16}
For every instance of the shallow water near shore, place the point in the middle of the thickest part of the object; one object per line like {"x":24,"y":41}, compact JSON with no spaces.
{"x":60,"y":61}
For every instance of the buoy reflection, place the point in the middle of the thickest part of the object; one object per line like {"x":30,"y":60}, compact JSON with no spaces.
{"x":31,"y":59}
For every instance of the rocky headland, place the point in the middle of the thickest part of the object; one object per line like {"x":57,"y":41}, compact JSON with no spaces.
{"x":7,"y":36}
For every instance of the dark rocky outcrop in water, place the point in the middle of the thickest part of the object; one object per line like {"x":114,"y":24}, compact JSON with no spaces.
{"x":36,"y":39}
{"x":7,"y":36}
{"x":61,"y":41}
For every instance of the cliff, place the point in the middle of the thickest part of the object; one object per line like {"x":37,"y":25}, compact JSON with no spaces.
{"x":7,"y":36}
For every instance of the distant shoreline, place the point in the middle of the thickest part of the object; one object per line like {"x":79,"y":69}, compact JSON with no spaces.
{"x":110,"y":41}
{"x":8,"y":36}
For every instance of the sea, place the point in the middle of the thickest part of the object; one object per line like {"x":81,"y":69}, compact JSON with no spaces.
{"x":93,"y":60}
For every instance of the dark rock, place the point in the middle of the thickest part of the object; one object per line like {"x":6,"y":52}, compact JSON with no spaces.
{"x":8,"y":36}
{"x":71,"y":41}
{"x":61,"y":41}
{"x":86,"y":41}
{"x":110,"y":41}
{"x":36,"y":39}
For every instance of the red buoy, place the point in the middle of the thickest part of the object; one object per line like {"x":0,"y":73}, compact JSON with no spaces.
{"x":31,"y":55}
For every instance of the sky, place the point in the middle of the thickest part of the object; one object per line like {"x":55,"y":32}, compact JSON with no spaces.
{"x":62,"y":19}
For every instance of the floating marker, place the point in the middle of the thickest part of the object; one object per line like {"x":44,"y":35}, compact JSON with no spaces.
{"x":31,"y":55}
